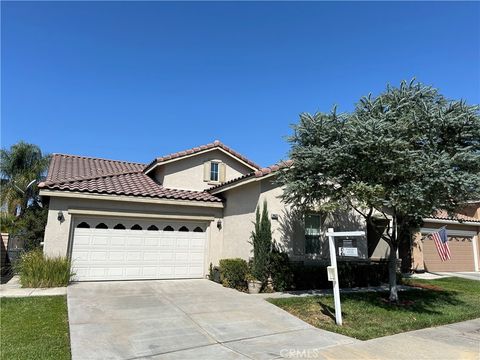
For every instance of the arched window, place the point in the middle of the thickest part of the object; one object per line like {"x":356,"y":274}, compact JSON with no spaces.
{"x":183,"y":229}
{"x":101,"y":226}
{"x":119,"y":227}
{"x":152,"y":228}
{"x":136,"y":227}
{"x":83,"y":225}
{"x":168,"y":228}
{"x":198,"y":229}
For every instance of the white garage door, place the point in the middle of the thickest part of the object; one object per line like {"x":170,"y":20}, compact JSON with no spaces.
{"x":125,"y":249}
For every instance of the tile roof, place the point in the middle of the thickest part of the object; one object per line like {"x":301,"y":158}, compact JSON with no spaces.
{"x":91,"y":175}
{"x":72,"y":167}
{"x":259,"y":173}
{"x":215,"y":144}
{"x":444,"y":215}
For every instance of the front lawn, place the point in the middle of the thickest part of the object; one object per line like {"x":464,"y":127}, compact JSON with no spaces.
{"x":369,"y":315}
{"x":34,"y":328}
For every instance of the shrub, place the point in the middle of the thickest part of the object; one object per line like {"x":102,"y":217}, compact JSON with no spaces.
{"x":30,"y":227}
{"x":307,"y":277}
{"x":262,"y":243}
{"x":351,"y":274}
{"x":280,"y":271}
{"x":361,"y":274}
{"x":233,"y":273}
{"x":36,"y":270}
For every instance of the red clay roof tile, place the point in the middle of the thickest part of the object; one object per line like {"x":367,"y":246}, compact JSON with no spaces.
{"x":444,"y":215}
{"x":92,"y":175}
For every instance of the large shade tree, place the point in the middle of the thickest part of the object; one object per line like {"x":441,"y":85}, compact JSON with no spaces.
{"x":400,"y":156}
{"x":21,"y":167}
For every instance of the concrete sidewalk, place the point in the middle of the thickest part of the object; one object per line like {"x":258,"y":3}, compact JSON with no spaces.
{"x":472,"y":275}
{"x":455,"y":341}
{"x":13,"y":289}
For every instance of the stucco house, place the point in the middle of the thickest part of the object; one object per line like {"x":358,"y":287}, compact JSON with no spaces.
{"x":180,"y":213}
{"x":174,"y":217}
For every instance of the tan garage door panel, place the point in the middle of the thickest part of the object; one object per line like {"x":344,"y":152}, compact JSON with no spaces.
{"x":462,"y":255}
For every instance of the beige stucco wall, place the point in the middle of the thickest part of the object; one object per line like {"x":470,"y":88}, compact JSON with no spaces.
{"x":58,"y":234}
{"x":187,"y":173}
{"x":382,"y":250}
{"x":238,"y":215}
{"x":287,"y":231}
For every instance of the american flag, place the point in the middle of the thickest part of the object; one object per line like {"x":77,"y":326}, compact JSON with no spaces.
{"x":441,"y":243}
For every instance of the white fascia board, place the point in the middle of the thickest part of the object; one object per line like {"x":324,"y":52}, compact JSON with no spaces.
{"x":124,"y":198}
{"x":199,"y":153}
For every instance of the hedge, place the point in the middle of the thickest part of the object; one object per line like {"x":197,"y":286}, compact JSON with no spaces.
{"x":233,"y":273}
{"x":287,"y":275}
{"x":351,"y":274}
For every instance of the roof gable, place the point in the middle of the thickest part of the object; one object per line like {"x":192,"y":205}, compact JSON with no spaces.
{"x":216,"y":145}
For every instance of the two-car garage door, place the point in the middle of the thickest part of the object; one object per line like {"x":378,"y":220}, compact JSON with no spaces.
{"x":129,"y":249}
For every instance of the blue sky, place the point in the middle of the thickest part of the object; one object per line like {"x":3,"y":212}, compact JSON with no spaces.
{"x":132,"y":81}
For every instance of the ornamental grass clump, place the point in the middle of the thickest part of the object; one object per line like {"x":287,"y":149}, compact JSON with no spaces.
{"x":39,"y":271}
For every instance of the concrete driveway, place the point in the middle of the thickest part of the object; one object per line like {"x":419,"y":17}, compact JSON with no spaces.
{"x":183,"y":319}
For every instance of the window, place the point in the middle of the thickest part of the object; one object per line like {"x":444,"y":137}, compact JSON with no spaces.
{"x":136,"y":227}
{"x":152,"y":228}
{"x":183,"y":229}
{"x":214,"y":171}
{"x":101,"y":226}
{"x":83,"y":225}
{"x":119,"y":227}
{"x":214,"y":167}
{"x":198,"y":229}
{"x":168,"y":228}
{"x":312,"y":234}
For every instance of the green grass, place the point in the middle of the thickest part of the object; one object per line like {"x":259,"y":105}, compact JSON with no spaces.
{"x":39,"y":271}
{"x":369,"y":315}
{"x":34,"y":328}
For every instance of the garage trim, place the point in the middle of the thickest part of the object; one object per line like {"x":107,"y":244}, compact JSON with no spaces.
{"x":139,"y":215}
{"x":475,"y":252}
{"x":98,"y":218}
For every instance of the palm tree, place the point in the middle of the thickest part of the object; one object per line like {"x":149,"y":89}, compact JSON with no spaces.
{"x":21,"y":167}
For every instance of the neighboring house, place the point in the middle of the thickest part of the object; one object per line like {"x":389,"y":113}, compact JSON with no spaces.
{"x":463,"y":229}
{"x":175,"y":216}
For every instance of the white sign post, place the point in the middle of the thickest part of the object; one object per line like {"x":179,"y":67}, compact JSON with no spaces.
{"x":332,"y":269}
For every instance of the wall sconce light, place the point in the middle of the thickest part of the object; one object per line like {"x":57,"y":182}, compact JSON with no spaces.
{"x":219,"y":224}
{"x":60,"y":216}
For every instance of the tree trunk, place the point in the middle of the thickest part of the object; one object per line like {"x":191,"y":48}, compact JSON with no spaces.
{"x":392,"y":263}
{"x":392,"y":274}
{"x":405,"y":248}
